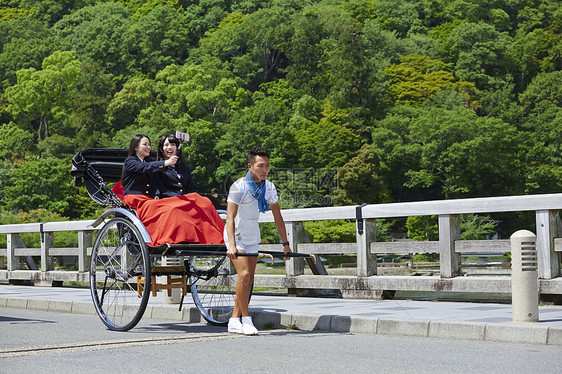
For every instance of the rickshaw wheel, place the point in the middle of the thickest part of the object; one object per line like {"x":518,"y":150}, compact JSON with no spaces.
{"x":213,"y":285}
{"x":120,"y":274}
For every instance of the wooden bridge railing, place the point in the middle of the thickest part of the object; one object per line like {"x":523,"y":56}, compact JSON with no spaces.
{"x":366,"y":281}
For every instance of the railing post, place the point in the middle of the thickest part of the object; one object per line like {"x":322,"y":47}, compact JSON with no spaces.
{"x":47,"y":242}
{"x":547,"y":229}
{"x":449,"y":231}
{"x":366,"y":261}
{"x":84,"y":242}
{"x":14,"y":241}
{"x":295,"y":234}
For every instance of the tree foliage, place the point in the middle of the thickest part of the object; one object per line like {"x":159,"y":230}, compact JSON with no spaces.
{"x":43,"y":183}
{"x":399,"y":100}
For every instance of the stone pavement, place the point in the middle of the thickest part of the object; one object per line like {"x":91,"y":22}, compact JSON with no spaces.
{"x":444,"y":320}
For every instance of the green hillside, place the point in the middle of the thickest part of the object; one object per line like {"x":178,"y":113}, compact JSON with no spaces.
{"x":361,"y":101}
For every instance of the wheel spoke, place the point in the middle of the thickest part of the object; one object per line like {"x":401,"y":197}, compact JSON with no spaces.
{"x":121,"y":256}
{"x":213,"y":285}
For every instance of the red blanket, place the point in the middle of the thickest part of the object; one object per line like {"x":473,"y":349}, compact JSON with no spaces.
{"x":186,"y":218}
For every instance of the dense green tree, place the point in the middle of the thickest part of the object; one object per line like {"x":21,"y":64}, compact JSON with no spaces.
{"x":261,"y":124}
{"x":7,"y":180}
{"x":185,"y":94}
{"x":541,"y":155}
{"x":140,"y":8}
{"x":447,"y":141}
{"x":545,"y":90}
{"x":421,"y":44}
{"x":501,"y":102}
{"x":205,"y":15}
{"x":86,"y":121}
{"x":59,"y":146}
{"x":52,"y":11}
{"x":305,"y":52}
{"x":482,"y":54}
{"x":122,"y":138}
{"x":253,"y":44}
{"x":422,"y":227}
{"x":41,"y":98}
{"x":328,"y":142}
{"x":345,"y":63}
{"x":542,"y":105}
{"x":417,"y":78}
{"x":359,"y":180}
{"x":16,"y":144}
{"x":396,"y":155}
{"x":536,"y":51}
{"x":450,"y":153}
{"x":249,"y":6}
{"x":446,"y":99}
{"x":160,"y":38}
{"x":381,"y":45}
{"x":126,"y":105}
{"x":471,"y":11}
{"x":66,"y":98}
{"x":337,"y":231}
{"x":201,"y":154}
{"x":12,"y":9}
{"x":43,"y":183}
{"x":421,"y":99}
{"x":306,"y":108}
{"x":327,"y":57}
{"x":402,"y":16}
{"x":533,"y":14}
{"x":24,"y":43}
{"x":97,"y":33}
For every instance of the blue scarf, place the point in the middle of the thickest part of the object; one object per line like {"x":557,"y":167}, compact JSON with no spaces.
{"x":258,"y":192}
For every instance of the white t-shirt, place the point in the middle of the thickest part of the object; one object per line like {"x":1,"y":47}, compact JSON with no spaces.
{"x":247,"y":230}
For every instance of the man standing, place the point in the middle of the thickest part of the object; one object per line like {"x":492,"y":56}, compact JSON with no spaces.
{"x":248,"y":197}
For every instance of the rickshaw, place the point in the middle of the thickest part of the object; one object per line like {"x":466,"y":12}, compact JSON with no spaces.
{"x":124,"y":267}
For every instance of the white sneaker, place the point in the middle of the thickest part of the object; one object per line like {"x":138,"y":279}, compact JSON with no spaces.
{"x":235,"y":326}
{"x":248,"y":327}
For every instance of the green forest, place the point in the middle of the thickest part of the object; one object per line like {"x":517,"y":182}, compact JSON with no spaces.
{"x":360,"y":101}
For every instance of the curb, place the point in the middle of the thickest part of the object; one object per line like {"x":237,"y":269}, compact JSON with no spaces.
{"x":532,"y":333}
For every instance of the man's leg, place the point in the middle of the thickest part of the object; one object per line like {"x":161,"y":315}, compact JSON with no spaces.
{"x":245,"y":268}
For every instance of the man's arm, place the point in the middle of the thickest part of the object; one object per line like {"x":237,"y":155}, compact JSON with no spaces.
{"x":280,"y":225}
{"x":231,"y":211}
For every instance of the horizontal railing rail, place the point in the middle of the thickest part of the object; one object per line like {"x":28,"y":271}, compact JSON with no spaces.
{"x":365,"y":281}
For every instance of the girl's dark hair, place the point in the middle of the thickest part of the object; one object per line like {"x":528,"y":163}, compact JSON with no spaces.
{"x":135,"y":141}
{"x":172,"y":139}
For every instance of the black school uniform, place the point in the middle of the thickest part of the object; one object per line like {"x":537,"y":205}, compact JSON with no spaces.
{"x":140,"y":177}
{"x":175,"y":180}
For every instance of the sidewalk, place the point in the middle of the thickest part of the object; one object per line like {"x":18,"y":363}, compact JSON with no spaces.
{"x":444,"y":320}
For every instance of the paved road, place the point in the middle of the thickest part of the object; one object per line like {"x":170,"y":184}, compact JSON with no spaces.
{"x":46,"y":342}
{"x":441,"y":320}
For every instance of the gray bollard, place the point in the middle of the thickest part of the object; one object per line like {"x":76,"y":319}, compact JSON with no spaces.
{"x":524,"y":277}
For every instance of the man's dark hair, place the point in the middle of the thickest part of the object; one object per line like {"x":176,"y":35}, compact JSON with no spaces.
{"x":257,"y":151}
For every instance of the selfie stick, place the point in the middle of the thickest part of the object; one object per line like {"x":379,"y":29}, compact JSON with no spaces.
{"x":182,"y":136}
